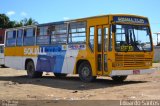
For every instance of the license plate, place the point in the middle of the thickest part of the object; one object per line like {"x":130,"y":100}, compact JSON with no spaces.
{"x":136,"y":71}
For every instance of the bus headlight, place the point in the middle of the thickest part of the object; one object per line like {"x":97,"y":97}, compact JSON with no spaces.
{"x":117,"y":64}
{"x":148,"y":63}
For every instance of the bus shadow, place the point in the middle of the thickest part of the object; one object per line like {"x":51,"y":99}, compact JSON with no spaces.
{"x":69,"y":83}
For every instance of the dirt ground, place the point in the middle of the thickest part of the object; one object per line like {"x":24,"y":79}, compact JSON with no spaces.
{"x":14,"y":85}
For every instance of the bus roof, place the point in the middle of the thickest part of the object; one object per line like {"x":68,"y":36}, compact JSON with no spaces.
{"x":29,"y":26}
{"x":80,"y":19}
{"x":74,"y":20}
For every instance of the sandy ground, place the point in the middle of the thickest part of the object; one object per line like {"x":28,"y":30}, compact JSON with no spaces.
{"x":14,"y":85}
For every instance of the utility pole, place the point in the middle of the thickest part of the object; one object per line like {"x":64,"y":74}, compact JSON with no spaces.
{"x":157,"y":39}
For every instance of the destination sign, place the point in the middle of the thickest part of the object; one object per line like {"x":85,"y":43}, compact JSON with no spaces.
{"x":132,"y":20}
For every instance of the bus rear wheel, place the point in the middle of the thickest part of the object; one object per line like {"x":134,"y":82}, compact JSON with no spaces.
{"x":119,"y":78}
{"x":85,"y":72}
{"x":60,"y":75}
{"x":31,"y":73}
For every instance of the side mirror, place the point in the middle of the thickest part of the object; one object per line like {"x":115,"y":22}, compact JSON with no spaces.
{"x":113,"y":28}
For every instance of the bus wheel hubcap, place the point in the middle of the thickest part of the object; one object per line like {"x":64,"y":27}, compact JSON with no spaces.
{"x":85,"y":71}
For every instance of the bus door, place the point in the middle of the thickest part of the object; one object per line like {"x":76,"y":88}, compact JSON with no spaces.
{"x":101,"y":49}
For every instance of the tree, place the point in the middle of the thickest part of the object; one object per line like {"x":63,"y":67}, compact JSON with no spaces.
{"x":4,"y":21}
{"x":18,"y":24}
{"x":29,"y":21}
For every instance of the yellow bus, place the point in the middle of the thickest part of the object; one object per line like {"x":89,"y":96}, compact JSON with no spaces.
{"x":115,"y":45}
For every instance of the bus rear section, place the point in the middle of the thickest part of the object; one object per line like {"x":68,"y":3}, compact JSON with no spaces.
{"x":109,"y":45}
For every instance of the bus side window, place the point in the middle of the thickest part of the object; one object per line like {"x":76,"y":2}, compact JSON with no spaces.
{"x":59,"y":34}
{"x":99,"y":40}
{"x":11,"y":38}
{"x":91,"y":38}
{"x":43,"y":35}
{"x":105,"y":39}
{"x":20,"y":37}
{"x":77,"y":32}
{"x":110,"y":40}
{"x":29,"y":37}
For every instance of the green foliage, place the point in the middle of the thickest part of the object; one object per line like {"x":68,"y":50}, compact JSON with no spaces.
{"x":6,"y":23}
{"x":155,"y":61}
{"x":29,"y":21}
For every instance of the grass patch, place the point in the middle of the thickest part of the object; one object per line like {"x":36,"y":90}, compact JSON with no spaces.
{"x":156,"y":61}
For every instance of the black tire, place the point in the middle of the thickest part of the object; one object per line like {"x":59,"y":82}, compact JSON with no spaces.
{"x":60,"y":75}
{"x":85,"y":72}
{"x":31,"y":73}
{"x":3,"y":66}
{"x":119,"y":78}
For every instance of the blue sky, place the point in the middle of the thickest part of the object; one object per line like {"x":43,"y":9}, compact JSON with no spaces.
{"x":57,"y":10}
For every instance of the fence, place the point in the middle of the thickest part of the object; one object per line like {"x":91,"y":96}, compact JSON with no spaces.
{"x":157,"y":54}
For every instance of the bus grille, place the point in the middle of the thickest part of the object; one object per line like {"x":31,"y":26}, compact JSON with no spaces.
{"x":132,"y":60}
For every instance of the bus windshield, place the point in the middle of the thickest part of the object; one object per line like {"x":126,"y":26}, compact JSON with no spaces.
{"x":131,"y":38}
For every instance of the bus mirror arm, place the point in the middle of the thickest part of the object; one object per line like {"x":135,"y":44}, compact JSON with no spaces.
{"x":113,"y":28}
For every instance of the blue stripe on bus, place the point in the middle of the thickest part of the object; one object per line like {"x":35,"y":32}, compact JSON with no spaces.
{"x":51,"y":59}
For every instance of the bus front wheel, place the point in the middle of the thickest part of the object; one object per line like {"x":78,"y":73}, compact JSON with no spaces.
{"x":31,"y":71}
{"x":85,"y":72}
{"x":119,"y":78}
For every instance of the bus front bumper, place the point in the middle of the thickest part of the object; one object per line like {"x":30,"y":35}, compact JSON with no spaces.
{"x":132,"y":72}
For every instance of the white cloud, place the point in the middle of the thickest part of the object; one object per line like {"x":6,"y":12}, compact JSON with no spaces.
{"x":10,"y":13}
{"x":23,"y":14}
{"x":66,"y":18}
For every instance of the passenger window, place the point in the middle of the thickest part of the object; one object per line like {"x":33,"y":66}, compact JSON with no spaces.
{"x":91,"y":38}
{"x":30,"y":32}
{"x":43,"y":31}
{"x":29,"y":37}
{"x":110,"y":41}
{"x":11,"y":38}
{"x":99,"y":39}
{"x":105,"y":39}
{"x":77,"y":32}
{"x":43,"y":35}
{"x":19,"y":37}
{"x":59,"y":34}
